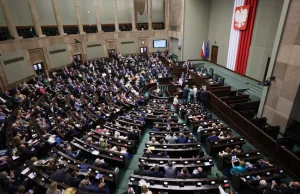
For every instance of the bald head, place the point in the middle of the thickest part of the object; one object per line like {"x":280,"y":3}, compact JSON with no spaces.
{"x":200,"y":169}
{"x":97,"y":161}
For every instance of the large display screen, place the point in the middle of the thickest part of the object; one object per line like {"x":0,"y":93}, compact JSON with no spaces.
{"x":159,"y":43}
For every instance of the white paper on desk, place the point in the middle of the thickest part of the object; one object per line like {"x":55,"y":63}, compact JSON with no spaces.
{"x":206,"y":163}
{"x":15,"y":157}
{"x":31,"y":175}
{"x":95,"y":152}
{"x":25,"y":170}
{"x":143,"y":182}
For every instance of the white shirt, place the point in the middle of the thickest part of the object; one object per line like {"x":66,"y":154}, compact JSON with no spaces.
{"x":195,"y":91}
{"x":175,"y":101}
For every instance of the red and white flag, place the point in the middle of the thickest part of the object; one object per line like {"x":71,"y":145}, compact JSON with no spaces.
{"x":202,"y":54}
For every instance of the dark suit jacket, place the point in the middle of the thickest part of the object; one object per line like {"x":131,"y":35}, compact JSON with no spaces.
{"x":204,"y":95}
{"x":72,"y":181}
{"x":141,"y":172}
{"x":59,"y":175}
{"x":200,"y":175}
{"x":184,"y":176}
{"x":246,"y":186}
{"x":156,"y":174}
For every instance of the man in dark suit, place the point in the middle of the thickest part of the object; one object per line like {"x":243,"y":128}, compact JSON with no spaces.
{"x":199,"y":173}
{"x":72,"y":179}
{"x":141,"y":171}
{"x":60,"y":174}
{"x":204,"y":97}
{"x":100,"y":163}
{"x":28,"y":152}
{"x":184,"y":174}
{"x":72,"y":154}
{"x":256,"y":188}
{"x":186,"y":91}
{"x":156,"y":172}
{"x":199,"y":95}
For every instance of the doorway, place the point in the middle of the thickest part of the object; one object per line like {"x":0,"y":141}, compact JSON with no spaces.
{"x":214,"y":54}
{"x":39,"y":68}
{"x":143,"y":50}
{"x":77,"y":58}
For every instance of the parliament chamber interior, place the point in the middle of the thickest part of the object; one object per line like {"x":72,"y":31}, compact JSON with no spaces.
{"x":149,"y":96}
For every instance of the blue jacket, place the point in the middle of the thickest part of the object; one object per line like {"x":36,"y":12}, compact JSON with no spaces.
{"x":186,"y":92}
{"x":181,"y":140}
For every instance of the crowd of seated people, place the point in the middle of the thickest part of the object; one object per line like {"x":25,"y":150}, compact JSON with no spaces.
{"x":74,"y":129}
{"x":50,"y":111}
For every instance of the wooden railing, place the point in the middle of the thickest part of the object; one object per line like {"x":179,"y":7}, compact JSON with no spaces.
{"x":255,"y":136}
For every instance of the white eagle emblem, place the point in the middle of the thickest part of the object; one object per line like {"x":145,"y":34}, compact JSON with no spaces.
{"x":240,"y":17}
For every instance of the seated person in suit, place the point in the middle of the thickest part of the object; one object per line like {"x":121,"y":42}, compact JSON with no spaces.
{"x":100,"y":163}
{"x":60,"y":174}
{"x":141,"y":171}
{"x":73,"y":154}
{"x":148,"y":154}
{"x":266,"y":164}
{"x":198,"y":173}
{"x":7,"y":183}
{"x":213,"y":136}
{"x":155,"y":172}
{"x":86,"y":185}
{"x":155,"y":128}
{"x":184,"y":174}
{"x":181,"y":138}
{"x":171,"y":138}
{"x":28,"y":152}
{"x":191,"y":139}
{"x":72,"y":180}
{"x":257,"y":187}
{"x":162,"y":154}
{"x":219,"y":81}
{"x":170,"y":170}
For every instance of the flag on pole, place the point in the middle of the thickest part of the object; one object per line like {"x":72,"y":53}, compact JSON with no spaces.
{"x":207,"y":50}
{"x":202,"y":51}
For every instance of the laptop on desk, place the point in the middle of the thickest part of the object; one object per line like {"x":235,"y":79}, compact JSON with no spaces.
{"x":83,"y":169}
